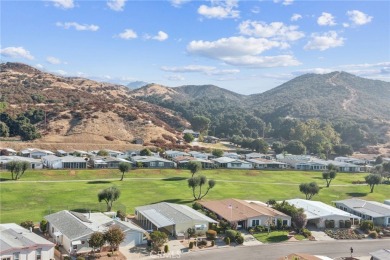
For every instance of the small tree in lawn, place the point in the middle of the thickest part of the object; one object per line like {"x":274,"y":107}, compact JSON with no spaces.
{"x":159,"y":239}
{"x":328,"y":177}
{"x":194,"y":167}
{"x":372,"y":180}
{"x":197,"y":183}
{"x":124,"y":167}
{"x":188,"y":137}
{"x":96,"y":241}
{"x":114,"y":236}
{"x":43,"y":226}
{"x":17,"y":168}
{"x":109,"y":195}
{"x":309,"y":189}
{"x":299,"y":219}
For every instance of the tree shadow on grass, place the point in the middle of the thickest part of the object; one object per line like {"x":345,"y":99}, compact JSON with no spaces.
{"x":5,"y":179}
{"x":357,"y":194}
{"x":98,"y":182}
{"x":175,"y":179}
{"x":178,"y":201}
{"x":318,"y":178}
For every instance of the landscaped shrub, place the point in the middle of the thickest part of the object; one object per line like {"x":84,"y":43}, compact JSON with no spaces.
{"x":212,"y":243}
{"x":231,"y":234}
{"x":43,"y":225}
{"x":239,"y":239}
{"x":196,"y":206}
{"x":120,"y":214}
{"x":27,"y":224}
{"x":211,"y":234}
{"x":331,"y":223}
{"x":260,"y":228}
{"x":80,"y":258}
{"x":348,"y":224}
{"x":279,"y":224}
{"x":166,"y":248}
{"x":202,"y":243}
{"x":366,"y":225}
{"x":341,"y":223}
{"x":191,"y":245}
{"x":251,"y":231}
{"x":227,"y":240}
{"x":373,"y":234}
{"x":306,"y":233}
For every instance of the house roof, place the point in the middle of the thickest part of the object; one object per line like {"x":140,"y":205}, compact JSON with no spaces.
{"x":6,"y":159}
{"x":15,"y":237}
{"x":228,"y":160}
{"x":75,"y":225}
{"x":236,"y":210}
{"x":34,"y":150}
{"x":166,"y":214}
{"x":370,"y":208}
{"x":381,"y":254}
{"x":255,"y":155}
{"x":264,"y":161}
{"x":149,"y":159}
{"x":318,"y":209}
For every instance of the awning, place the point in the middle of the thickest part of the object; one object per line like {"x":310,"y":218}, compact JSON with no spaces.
{"x":57,"y":233}
{"x":77,"y":242}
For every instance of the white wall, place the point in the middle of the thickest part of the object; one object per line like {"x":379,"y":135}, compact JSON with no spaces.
{"x":242,"y":166}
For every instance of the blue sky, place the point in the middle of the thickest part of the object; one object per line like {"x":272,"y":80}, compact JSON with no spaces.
{"x":244,"y":46}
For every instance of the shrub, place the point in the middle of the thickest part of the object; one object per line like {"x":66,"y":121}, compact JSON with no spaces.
{"x":231,"y":234}
{"x":80,"y":258}
{"x":196,"y":206}
{"x":227,"y":240}
{"x":348,"y":224}
{"x":166,"y":248}
{"x":366,"y":225}
{"x":202,"y":243}
{"x":279,"y":223}
{"x":27,"y":224}
{"x":306,"y":233}
{"x":191,"y":245}
{"x":212,"y":243}
{"x":260,"y":228}
{"x":211,"y":234}
{"x":43,"y":225}
{"x":120,"y":214}
{"x":373,"y":234}
{"x":239,"y":239}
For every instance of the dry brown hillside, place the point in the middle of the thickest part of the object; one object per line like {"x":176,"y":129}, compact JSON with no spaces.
{"x":83,"y":112}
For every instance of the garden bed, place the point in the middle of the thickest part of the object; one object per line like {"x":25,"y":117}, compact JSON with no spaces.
{"x":343,"y":233}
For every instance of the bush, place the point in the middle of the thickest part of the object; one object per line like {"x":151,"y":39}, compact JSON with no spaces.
{"x":196,"y":206}
{"x":166,"y":248}
{"x":43,"y":225}
{"x":239,"y":239}
{"x":120,"y":214}
{"x":27,"y":224}
{"x":366,"y":225}
{"x":227,"y":240}
{"x":260,"y":228}
{"x":231,"y":234}
{"x":305,"y":232}
{"x":191,"y":245}
{"x":212,"y":243}
{"x":279,"y":224}
{"x":348,"y":224}
{"x":211,"y":234}
{"x":373,"y":234}
{"x":202,"y":243}
{"x":80,"y":258}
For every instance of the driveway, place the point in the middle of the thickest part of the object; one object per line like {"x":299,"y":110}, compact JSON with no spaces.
{"x":320,"y":235}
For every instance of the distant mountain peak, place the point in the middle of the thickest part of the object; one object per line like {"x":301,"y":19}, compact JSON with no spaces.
{"x":136,"y":84}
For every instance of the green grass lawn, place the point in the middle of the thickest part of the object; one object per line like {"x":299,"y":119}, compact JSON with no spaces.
{"x":32,"y":197}
{"x":272,"y":237}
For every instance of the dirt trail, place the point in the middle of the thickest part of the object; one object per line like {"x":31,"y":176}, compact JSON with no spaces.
{"x":353,"y":94}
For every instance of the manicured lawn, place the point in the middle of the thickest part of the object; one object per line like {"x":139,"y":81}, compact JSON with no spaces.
{"x":272,"y":237}
{"x":31,"y":197}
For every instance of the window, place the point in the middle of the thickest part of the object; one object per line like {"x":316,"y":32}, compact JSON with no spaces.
{"x":285,"y":222}
{"x":161,"y":164}
{"x":38,"y":254}
{"x":255,"y":222}
{"x":16,"y":256}
{"x":74,"y":246}
{"x":152,"y":164}
{"x":6,"y":258}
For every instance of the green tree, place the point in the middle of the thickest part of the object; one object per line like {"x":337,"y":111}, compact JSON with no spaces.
{"x":96,"y":240}
{"x":109,"y":195}
{"x":17,"y":168}
{"x":200,"y":123}
{"x":27,"y":224}
{"x":159,"y":239}
{"x":299,"y":219}
{"x":343,"y":150}
{"x":124,"y":167}
{"x":102,"y":153}
{"x":372,"y":180}
{"x":43,"y":226}
{"x":217,"y":152}
{"x":328,"y":177}
{"x":4,"y":129}
{"x":196,"y":184}
{"x":379,"y":160}
{"x":145,"y":152}
{"x":194,"y":167}
{"x":295,"y":147}
{"x":259,"y":145}
{"x":278,"y":147}
{"x":188,"y":137}
{"x":114,"y":236}
{"x":309,"y":189}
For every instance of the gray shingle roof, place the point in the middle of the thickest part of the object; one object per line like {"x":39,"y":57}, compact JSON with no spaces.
{"x":370,"y":208}
{"x":68,"y":224}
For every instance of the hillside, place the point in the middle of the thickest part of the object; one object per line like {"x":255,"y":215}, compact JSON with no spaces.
{"x":81,"y":111}
{"x":328,"y":96}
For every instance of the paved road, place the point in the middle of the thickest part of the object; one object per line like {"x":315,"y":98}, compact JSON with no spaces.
{"x":331,"y":249}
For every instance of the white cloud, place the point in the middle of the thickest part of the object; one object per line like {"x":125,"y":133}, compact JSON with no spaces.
{"x":178,"y":3}
{"x":220,"y":9}
{"x":39,"y":66}
{"x":16,"y":52}
{"x":345,"y":25}
{"x":241,"y":51}
{"x":61,"y":72}
{"x":276,"y":30}
{"x":326,"y":19}
{"x":208,"y":70}
{"x":313,"y":70}
{"x":161,"y":36}
{"x":175,"y":77}
{"x":358,"y":17}
{"x":295,"y":17}
{"x":78,"y":27}
{"x":285,"y":2}
{"x":65,"y":4}
{"x":324,"y":41}
{"x":116,"y":5}
{"x":53,"y":60}
{"x":128,"y":34}
{"x":255,"y":10}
